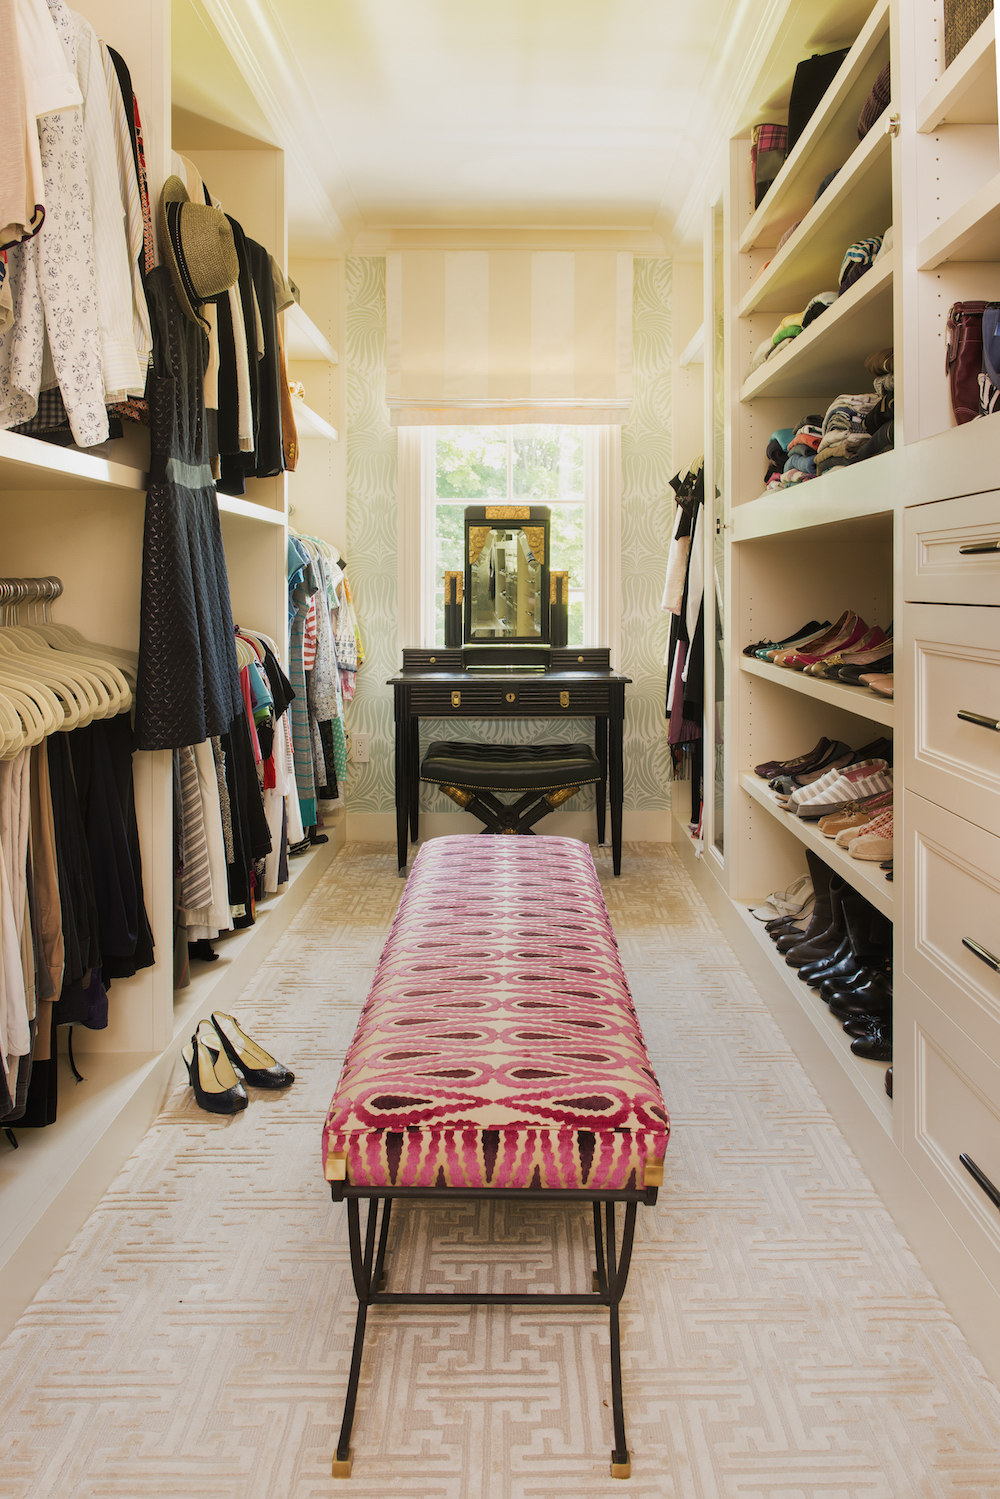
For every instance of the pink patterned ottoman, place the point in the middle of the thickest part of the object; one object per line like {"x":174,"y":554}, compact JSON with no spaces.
{"x":498,"y":1054}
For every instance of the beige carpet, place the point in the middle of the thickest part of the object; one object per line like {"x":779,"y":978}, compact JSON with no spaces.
{"x":780,"y":1340}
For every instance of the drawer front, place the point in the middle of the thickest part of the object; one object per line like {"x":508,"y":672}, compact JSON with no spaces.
{"x":495,"y":699}
{"x":951,"y":551}
{"x":955,"y":1112}
{"x":951,"y":879}
{"x":952,"y":678}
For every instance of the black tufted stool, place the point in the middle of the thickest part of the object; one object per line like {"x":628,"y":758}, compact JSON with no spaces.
{"x":546,"y":774}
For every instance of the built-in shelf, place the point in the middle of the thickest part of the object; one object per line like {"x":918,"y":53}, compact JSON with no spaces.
{"x":856,"y":205}
{"x":866,"y":1076}
{"x":972,"y":232}
{"x":829,"y":138}
{"x":856,"y":493}
{"x":865,"y":877}
{"x":303,"y":340}
{"x":829,"y":355}
{"x":27,"y":463}
{"x":309,"y":424}
{"x":247,"y":510}
{"x":694,"y":351}
{"x":859,"y":700}
{"x":966,"y":93}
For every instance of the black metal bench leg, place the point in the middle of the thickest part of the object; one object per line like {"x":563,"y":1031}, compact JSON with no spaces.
{"x":366,"y":1268}
{"x":615,"y":1279}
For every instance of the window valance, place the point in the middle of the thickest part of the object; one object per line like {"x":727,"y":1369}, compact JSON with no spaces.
{"x":498,"y":336}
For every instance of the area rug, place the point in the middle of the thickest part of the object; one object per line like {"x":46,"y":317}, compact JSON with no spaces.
{"x":780,"y":1340}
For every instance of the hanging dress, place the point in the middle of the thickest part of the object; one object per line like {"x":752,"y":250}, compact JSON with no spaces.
{"x":188,"y":685}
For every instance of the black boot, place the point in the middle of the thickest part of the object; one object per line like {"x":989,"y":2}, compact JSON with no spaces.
{"x":824,"y":944}
{"x":864,"y":947}
{"x":873,"y":998}
{"x":820,"y":919}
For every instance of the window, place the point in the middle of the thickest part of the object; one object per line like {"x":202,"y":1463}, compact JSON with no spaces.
{"x":541,"y":465}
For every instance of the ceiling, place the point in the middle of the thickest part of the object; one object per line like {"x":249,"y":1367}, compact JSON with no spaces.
{"x":462,"y":122}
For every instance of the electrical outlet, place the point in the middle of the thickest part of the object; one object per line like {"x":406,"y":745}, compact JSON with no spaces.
{"x":361,"y":744}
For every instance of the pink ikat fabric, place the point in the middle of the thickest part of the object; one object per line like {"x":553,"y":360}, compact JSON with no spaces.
{"x":498,"y":1046}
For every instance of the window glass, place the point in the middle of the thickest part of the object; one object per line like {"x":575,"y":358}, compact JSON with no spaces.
{"x":539,"y":464}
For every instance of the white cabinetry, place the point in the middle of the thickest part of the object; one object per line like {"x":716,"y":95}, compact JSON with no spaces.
{"x":918,"y":524}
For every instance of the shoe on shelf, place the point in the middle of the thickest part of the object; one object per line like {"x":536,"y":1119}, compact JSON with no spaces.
{"x":836,"y":754}
{"x":855,"y":814}
{"x":888,"y":1079}
{"x":782,"y":904}
{"x":807,"y":632}
{"x":767,"y":651}
{"x":832,"y":638}
{"x":258,"y":1067}
{"x":876,"y":1046}
{"x":217,"y":1089}
{"x":852,"y":672}
{"x":770,"y":768}
{"x":857,"y":781}
{"x":864,"y":650}
{"x":875,"y":842}
{"x":881,"y":685}
{"x":821,"y":874}
{"x":850,"y":636}
{"x":825,"y":941}
{"x":847,"y":835}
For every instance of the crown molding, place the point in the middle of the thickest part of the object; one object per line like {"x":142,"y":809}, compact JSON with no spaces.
{"x":260,"y":50}
{"x":376,"y":241}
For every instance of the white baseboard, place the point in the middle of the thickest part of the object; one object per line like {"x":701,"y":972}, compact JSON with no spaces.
{"x":637,"y":827}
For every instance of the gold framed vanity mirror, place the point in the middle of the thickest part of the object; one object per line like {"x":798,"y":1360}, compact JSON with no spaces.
{"x":507,"y":573}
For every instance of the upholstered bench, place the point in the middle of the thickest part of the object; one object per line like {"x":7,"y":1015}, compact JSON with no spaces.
{"x":547,"y":774}
{"x":498,"y":1055}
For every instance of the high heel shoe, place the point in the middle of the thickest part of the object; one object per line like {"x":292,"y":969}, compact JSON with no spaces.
{"x":217,"y":1089}
{"x":258,"y":1066}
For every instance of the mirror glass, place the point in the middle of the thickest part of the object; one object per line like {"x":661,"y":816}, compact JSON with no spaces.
{"x":506,"y":565}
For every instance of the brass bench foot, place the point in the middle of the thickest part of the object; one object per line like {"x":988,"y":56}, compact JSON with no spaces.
{"x":621,"y":1470}
{"x":341,"y":1467}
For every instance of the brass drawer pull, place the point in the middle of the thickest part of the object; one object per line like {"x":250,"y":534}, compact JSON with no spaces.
{"x":456,"y":700}
{"x":982,"y":954}
{"x":978,"y":548}
{"x":981,"y":1179}
{"x":979,"y":719}
{"x":564,"y":699}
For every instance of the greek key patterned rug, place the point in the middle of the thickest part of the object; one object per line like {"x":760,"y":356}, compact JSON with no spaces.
{"x":780,"y":1341}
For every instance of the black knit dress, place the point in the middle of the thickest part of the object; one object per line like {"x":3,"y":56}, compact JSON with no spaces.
{"x":188,"y":684}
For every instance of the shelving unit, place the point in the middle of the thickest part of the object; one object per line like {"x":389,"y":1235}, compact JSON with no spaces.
{"x":310,"y":424}
{"x":27,"y":465}
{"x":860,"y":537}
{"x":304,"y":341}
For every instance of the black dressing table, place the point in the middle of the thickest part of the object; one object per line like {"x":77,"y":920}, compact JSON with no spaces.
{"x":506,"y":657}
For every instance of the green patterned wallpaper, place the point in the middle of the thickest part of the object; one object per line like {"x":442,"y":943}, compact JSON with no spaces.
{"x":372,"y":548}
{"x":371,"y":530}
{"x":647,"y":506}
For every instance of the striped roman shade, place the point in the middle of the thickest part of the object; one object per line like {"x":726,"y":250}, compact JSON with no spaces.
{"x":490,"y":336}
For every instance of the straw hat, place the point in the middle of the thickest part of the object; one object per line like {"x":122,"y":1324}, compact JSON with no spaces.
{"x":199,"y":247}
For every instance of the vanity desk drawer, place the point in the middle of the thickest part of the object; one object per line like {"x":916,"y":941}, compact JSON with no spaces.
{"x":493,"y":698}
{"x":951,"y":551}
{"x":952,"y":739}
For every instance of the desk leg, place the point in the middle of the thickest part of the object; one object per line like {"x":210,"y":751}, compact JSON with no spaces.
{"x":616,"y":773}
{"x":402,"y":775}
{"x":601,"y":789}
{"x":414,"y":779}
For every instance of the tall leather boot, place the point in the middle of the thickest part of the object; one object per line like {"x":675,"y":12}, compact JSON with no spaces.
{"x":836,"y":932}
{"x":857,"y":950}
{"x":820,"y":920}
{"x":870,"y":935}
{"x":824,"y":944}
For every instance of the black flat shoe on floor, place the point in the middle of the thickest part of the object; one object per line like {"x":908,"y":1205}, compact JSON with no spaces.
{"x":258,"y":1067}
{"x":217,"y":1089}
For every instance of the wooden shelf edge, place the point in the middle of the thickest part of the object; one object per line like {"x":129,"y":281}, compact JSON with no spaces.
{"x":27,"y":459}
{"x":875,"y":283}
{"x":859,"y":700}
{"x":867,"y":1077}
{"x":247,"y":510}
{"x":954,"y":83}
{"x":867,"y":879}
{"x":694,"y":350}
{"x":949,"y":238}
{"x":867,"y":39}
{"x":309,"y":423}
{"x":305,"y":342}
{"x":833,"y":499}
{"x":863,"y":160}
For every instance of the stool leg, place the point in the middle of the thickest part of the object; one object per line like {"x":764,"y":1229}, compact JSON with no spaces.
{"x":366,"y":1268}
{"x":617,"y":1275}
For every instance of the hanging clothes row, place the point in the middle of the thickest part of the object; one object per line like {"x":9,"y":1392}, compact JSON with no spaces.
{"x":72,"y":915}
{"x":325,"y":652}
{"x":683,"y":600}
{"x":75,"y":227}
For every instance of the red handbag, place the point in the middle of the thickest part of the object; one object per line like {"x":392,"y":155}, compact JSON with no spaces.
{"x":964,"y":357}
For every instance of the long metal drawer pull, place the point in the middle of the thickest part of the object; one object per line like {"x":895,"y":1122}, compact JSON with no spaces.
{"x":981,"y":1178}
{"x":982,"y":954}
{"x":979,"y":547}
{"x":980,"y":719}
